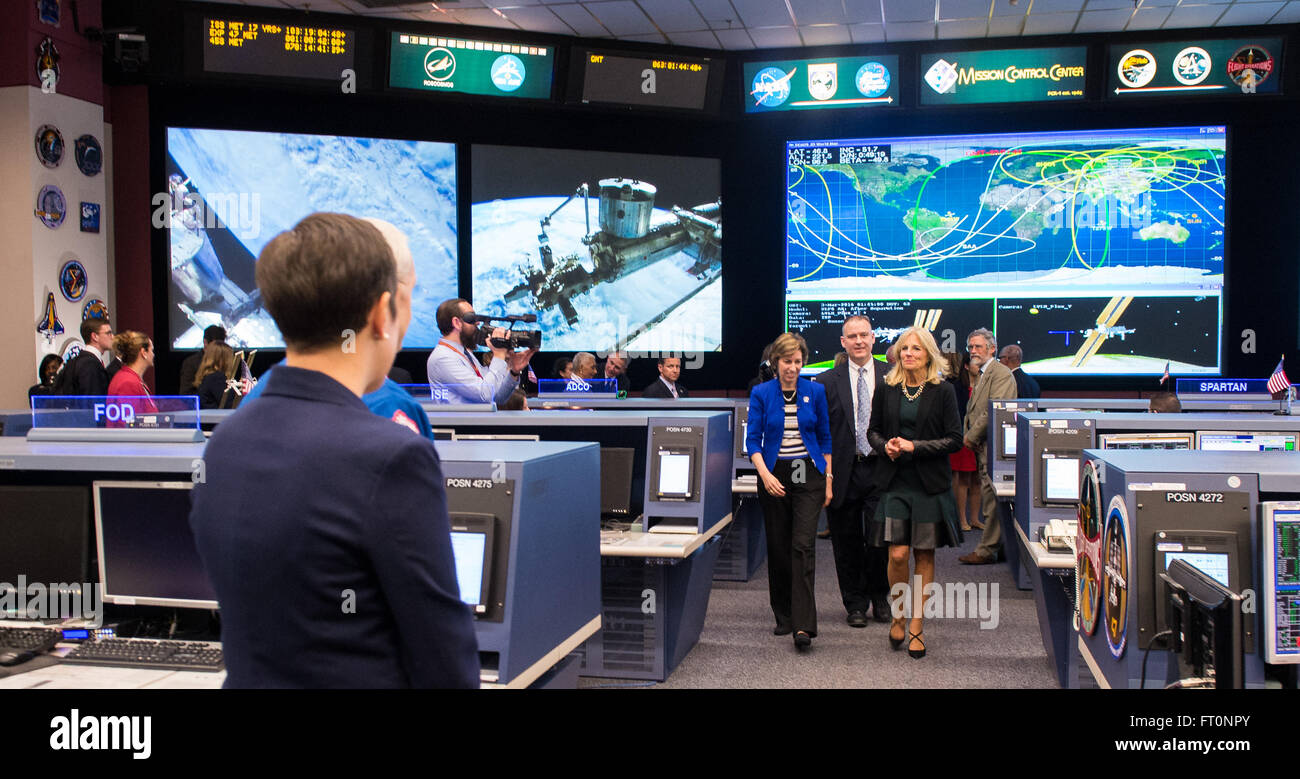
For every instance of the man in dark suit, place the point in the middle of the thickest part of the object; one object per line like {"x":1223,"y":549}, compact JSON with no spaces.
{"x":190,"y":368}
{"x":995,"y":383}
{"x":667,"y":386}
{"x":343,"y":574}
{"x":85,"y":374}
{"x":616,"y":369}
{"x":862,"y":569}
{"x":1026,"y":387}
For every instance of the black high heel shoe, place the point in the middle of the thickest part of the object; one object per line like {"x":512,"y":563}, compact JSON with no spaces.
{"x":802,"y":640}
{"x":915,"y":653}
{"x":896,"y":643}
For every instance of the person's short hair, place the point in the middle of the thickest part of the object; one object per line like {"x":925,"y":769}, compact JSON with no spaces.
{"x":786,"y":344}
{"x":1165,"y":403}
{"x":1013,"y":352}
{"x":668,"y":357}
{"x":91,"y":326}
{"x":933,"y":373}
{"x":322,"y":277}
{"x":863,"y":317}
{"x":45,"y":362}
{"x":516,"y":401}
{"x":448,"y":309}
{"x":213,"y":333}
{"x":987,"y":335}
{"x":128,"y":344}
{"x":560,"y":364}
{"x":582,"y":358}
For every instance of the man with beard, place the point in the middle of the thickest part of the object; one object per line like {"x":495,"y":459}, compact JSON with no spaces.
{"x":453,"y":369}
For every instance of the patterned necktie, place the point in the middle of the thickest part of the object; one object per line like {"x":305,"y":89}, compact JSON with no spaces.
{"x":864,"y":412}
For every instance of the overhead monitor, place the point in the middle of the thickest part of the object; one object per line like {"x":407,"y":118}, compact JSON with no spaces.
{"x":236,"y":44}
{"x":472,"y":549}
{"x":45,"y":537}
{"x":864,"y":82}
{"x":628,"y":255}
{"x":1280,"y":566}
{"x":1222,"y":68}
{"x":659,"y":80}
{"x":1060,"y":476}
{"x":229,"y":192}
{"x":452,"y":64}
{"x":1003,"y":76}
{"x":147,"y":555}
{"x":1146,"y":441}
{"x":1225,"y":441}
{"x":1100,"y":252}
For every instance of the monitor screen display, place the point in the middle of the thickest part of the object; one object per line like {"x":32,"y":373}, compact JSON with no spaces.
{"x":1099,"y":252}
{"x":1168,"y":441}
{"x":469,"y":548}
{"x":1247,"y":442}
{"x":146,"y":551}
{"x":1061,"y":479}
{"x":628,"y":255}
{"x":229,"y":192}
{"x":1008,"y":440}
{"x":1213,"y":565}
{"x":675,"y":474}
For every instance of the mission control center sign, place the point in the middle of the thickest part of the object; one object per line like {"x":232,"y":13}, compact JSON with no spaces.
{"x":1003,"y":76}
{"x":434,"y":64}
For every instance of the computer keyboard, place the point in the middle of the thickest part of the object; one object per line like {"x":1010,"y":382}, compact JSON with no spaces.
{"x":18,"y":645}
{"x":149,"y":653}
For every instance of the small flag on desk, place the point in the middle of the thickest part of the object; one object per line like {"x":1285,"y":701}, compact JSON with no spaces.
{"x":532,"y":376}
{"x":1278,"y":381}
{"x":1165,"y":376}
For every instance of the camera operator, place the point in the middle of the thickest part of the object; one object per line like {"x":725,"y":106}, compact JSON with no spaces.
{"x":451,"y":365}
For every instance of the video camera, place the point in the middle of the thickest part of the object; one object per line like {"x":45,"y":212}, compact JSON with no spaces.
{"x":515,"y":339}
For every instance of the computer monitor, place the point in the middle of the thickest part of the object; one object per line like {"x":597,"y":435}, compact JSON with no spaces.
{"x":616,"y":481}
{"x":674,"y":473}
{"x":1280,"y":565}
{"x":1008,"y":442}
{"x":1142,"y":441}
{"x":1210,"y":622}
{"x":147,"y":555}
{"x":1061,"y":472}
{"x":45,"y":536}
{"x":1212,"y":552}
{"x":1005,"y":413}
{"x":1228,"y":441}
{"x":472,"y":548}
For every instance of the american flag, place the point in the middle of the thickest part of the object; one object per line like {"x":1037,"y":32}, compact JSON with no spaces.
{"x":1278,"y":381}
{"x":1165,"y":377}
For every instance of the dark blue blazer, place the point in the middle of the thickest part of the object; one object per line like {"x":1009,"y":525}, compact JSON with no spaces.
{"x":767,"y":421}
{"x":323,"y":529}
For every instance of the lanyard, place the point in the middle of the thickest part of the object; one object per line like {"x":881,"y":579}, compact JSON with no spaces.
{"x":463,"y":353}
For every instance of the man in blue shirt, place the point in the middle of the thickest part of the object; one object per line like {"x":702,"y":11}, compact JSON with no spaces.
{"x":455,"y":375}
{"x":324,"y":529}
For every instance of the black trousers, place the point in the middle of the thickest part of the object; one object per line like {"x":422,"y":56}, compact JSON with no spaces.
{"x":862,"y":569}
{"x":791,"y":524}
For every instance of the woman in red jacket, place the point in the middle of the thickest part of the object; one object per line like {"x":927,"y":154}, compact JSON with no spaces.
{"x":135,"y":350}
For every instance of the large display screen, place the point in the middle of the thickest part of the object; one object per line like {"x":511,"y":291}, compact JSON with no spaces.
{"x":232,"y":191}
{"x":646,"y":80}
{"x":611,"y":251}
{"x":1098,"y":252}
{"x":474,"y":67}
{"x":262,"y":48}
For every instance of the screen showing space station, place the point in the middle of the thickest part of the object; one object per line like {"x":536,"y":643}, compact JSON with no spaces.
{"x":611,"y":251}
{"x":230,"y":192}
{"x":1099,"y":252}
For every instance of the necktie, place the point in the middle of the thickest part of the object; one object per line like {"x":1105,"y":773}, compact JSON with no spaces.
{"x":864,"y":412}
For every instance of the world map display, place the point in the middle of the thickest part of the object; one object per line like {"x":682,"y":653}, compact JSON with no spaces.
{"x":1008,"y":227}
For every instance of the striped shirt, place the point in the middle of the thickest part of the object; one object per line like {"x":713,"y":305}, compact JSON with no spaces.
{"x":792,"y":447}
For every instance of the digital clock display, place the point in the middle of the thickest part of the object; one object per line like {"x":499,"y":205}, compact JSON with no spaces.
{"x":276,"y":49}
{"x":645,"y":81}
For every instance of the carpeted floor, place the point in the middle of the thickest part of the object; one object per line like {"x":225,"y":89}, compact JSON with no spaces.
{"x":738,"y":651}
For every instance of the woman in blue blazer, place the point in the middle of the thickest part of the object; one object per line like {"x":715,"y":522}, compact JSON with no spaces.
{"x":790,"y":440}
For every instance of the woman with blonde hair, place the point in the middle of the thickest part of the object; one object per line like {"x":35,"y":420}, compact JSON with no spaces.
{"x":215,"y":369}
{"x":789,"y":441}
{"x":914,"y":421}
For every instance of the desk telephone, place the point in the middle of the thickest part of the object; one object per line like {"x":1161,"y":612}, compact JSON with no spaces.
{"x":1058,"y":535}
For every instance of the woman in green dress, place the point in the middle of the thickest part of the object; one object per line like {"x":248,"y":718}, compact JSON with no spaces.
{"x":914,"y":421}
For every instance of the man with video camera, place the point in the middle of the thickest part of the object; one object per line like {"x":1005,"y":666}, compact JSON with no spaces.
{"x":453,"y":369}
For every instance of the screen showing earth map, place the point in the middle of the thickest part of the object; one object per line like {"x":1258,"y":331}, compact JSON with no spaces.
{"x":1098,"y":252}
